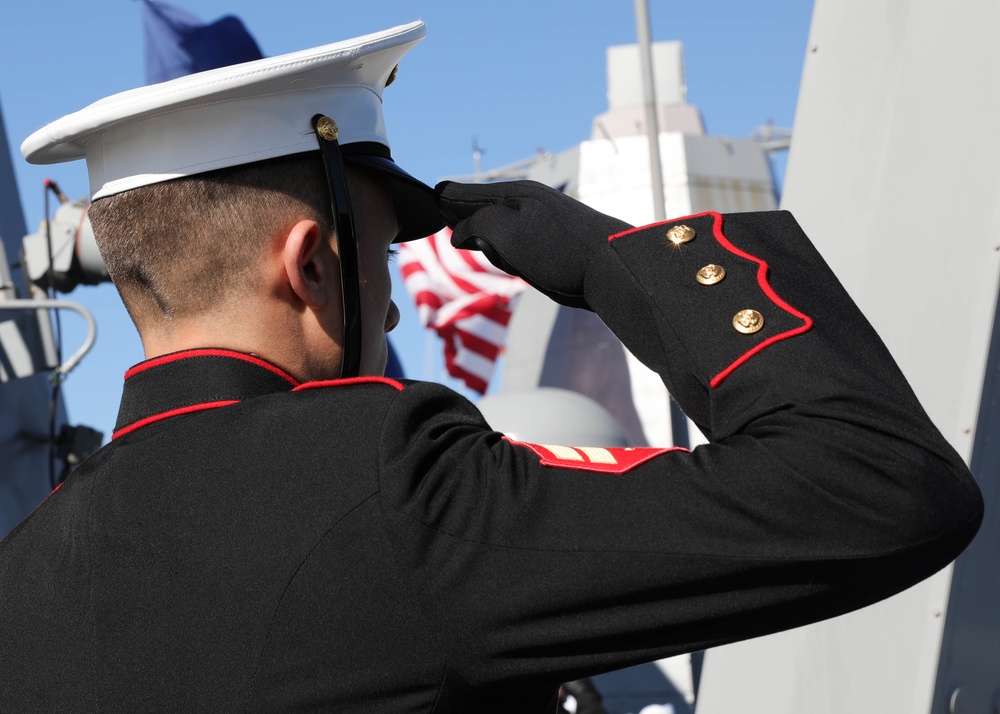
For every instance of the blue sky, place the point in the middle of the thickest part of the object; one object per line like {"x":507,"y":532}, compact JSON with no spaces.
{"x":519,"y":76}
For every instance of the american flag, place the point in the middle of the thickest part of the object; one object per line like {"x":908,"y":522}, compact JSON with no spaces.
{"x":460,"y":295}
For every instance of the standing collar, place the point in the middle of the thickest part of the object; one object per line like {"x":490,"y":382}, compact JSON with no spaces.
{"x":194,"y":380}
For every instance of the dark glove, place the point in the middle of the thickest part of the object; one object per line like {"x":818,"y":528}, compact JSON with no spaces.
{"x":530,"y":230}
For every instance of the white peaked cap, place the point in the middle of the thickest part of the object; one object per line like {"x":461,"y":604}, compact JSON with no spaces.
{"x":231,"y":116}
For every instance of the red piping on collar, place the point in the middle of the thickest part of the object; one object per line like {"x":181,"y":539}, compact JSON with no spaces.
{"x":146,"y":421}
{"x":323,"y":383}
{"x":762,"y":281}
{"x":185,"y":354}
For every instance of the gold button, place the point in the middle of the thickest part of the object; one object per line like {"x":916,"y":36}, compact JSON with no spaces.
{"x":748,"y":321}
{"x":711,"y":274}
{"x":327,"y":128}
{"x":681,"y":234}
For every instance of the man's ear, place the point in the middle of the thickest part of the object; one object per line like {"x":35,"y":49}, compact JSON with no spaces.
{"x":307,"y":266}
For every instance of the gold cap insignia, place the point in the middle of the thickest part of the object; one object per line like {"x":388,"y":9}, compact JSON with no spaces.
{"x":327,"y":128}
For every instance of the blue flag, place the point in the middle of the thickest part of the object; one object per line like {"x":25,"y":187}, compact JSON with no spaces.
{"x":178,"y":43}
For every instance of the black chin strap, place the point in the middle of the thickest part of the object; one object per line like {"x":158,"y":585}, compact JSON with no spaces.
{"x":347,"y":248}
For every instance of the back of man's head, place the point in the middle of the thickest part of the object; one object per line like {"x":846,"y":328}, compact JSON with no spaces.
{"x":179,"y":249}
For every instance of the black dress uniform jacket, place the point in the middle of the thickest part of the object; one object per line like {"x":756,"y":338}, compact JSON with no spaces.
{"x":246,"y":543}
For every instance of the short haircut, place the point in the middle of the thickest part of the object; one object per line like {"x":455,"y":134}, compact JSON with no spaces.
{"x":176,"y":249}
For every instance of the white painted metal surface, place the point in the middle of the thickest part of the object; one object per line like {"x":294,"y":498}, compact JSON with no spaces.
{"x":895,"y":174}
{"x":625,"y":76}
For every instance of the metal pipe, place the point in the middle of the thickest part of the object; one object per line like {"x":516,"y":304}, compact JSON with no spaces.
{"x":678,"y":421}
{"x":649,"y":94}
{"x":60,"y":372}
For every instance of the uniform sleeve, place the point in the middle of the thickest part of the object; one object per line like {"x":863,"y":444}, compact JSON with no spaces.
{"x":824,"y":488}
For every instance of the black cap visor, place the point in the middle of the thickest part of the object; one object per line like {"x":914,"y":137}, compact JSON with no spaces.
{"x":416,"y":209}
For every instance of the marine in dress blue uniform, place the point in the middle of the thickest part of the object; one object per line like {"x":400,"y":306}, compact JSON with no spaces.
{"x":258,"y":539}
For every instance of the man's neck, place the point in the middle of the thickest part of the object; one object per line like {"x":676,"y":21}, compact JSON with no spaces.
{"x":277,"y":342}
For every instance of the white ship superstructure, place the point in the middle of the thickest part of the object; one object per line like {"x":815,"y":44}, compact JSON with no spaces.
{"x":550,"y":346}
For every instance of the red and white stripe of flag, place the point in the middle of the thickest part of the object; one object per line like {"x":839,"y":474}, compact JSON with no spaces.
{"x":465,"y":299}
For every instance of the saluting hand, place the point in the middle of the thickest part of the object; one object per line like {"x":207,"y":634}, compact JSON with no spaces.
{"x":529,"y":230}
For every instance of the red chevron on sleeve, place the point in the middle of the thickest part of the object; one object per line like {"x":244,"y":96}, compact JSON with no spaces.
{"x":593,"y":458}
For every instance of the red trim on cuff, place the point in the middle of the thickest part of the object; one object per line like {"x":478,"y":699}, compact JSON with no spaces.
{"x":172,"y":413}
{"x":668,"y":222}
{"x":765,"y":286}
{"x":186,"y":354}
{"x":762,"y":281}
{"x":324,"y":383}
